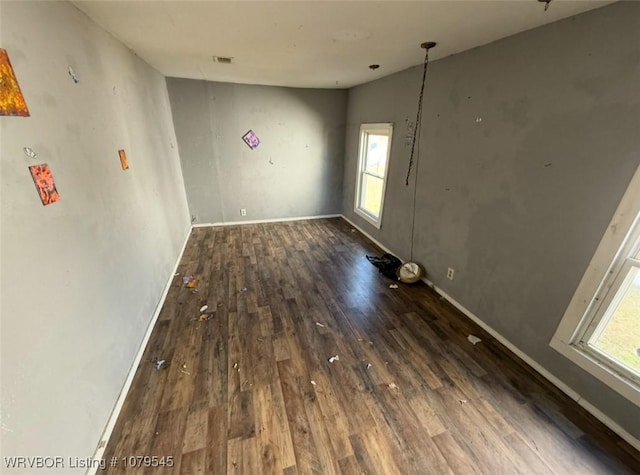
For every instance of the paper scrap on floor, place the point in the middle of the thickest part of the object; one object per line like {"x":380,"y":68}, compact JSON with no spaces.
{"x":474,"y":339}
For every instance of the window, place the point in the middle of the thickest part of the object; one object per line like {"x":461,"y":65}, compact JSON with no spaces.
{"x":600,"y":330}
{"x":375,"y":144}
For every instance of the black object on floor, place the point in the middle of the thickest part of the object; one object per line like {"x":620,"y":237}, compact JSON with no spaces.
{"x":388,"y":264}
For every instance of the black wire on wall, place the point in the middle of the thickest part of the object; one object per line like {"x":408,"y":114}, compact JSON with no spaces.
{"x":427,"y":46}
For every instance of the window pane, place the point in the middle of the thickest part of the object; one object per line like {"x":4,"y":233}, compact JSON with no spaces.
{"x":620,"y":337}
{"x":376,"y":158}
{"x":371,"y":194}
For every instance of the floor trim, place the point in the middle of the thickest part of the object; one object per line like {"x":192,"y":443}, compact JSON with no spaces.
{"x":595,"y":412}
{"x":104,"y":440}
{"x":261,"y":221}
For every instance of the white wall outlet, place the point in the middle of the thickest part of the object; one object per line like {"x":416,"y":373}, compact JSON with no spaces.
{"x":243,"y":212}
{"x":450,"y":273}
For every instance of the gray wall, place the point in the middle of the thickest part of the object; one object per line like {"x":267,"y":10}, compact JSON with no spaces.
{"x":81,"y":278}
{"x":302,"y":134}
{"x":518,"y":202}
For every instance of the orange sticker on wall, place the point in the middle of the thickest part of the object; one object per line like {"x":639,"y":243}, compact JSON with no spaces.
{"x":11,"y":99}
{"x":123,"y":159}
{"x":45,"y":185}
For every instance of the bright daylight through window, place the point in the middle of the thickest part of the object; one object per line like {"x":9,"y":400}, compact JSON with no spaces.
{"x":600,"y":330}
{"x":611,"y":330}
{"x":375,"y":144}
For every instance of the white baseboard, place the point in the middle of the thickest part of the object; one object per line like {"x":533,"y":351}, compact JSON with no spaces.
{"x":99,"y":453}
{"x":520,"y":354}
{"x":537,"y":367}
{"x":261,"y":221}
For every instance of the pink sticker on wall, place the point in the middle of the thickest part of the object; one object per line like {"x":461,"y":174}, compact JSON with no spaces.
{"x":251,"y":139}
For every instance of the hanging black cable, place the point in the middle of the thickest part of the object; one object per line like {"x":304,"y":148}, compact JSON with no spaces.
{"x":415,"y":192}
{"x":427,"y":46}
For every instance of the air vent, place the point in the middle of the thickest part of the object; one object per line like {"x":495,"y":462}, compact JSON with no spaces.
{"x":222,"y":59}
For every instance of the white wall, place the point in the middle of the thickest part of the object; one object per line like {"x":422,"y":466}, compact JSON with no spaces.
{"x":80,"y":278}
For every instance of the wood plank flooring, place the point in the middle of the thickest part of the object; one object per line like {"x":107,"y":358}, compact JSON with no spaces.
{"x":252,"y":391}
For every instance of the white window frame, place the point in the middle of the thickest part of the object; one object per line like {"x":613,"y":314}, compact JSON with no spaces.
{"x":385,"y":128}
{"x":595,"y":293}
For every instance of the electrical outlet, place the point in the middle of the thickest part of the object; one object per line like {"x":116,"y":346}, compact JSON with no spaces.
{"x":243,"y":212}
{"x":450,"y":273}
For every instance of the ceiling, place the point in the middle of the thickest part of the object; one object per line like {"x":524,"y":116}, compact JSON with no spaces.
{"x":319,"y":44}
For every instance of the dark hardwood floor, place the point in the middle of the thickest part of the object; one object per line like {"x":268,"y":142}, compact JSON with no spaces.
{"x":251,"y":390}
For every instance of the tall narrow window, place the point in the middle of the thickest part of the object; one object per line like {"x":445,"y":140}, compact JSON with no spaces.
{"x":611,"y":329}
{"x":375,"y":144}
{"x":600,"y":330}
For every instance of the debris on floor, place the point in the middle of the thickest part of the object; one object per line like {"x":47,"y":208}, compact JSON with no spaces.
{"x":187,"y":278}
{"x":203,"y":308}
{"x":160,"y":364}
{"x":319,"y":324}
{"x":313,"y":382}
{"x":388,"y":265}
{"x":235,"y":365}
{"x":176,"y":274}
{"x":463,"y":401}
{"x":474,"y":339}
{"x":192,"y":284}
{"x":243,"y":289}
{"x":194,"y":291}
{"x":393,"y":286}
{"x":368,"y":365}
{"x":184,"y":369}
{"x":260,"y":340}
{"x":206,"y":316}
{"x":393,"y":386}
{"x":334,"y":358}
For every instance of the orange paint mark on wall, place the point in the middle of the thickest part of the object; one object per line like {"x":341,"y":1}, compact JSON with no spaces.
{"x":123,"y":159}
{"x":11,"y":100}
{"x":45,"y":185}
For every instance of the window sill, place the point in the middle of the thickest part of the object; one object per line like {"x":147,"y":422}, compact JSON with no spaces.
{"x":626,"y":388}
{"x":370,"y":219}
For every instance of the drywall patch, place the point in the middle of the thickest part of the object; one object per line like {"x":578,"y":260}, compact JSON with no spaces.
{"x":73,"y":75}
{"x":29,"y":152}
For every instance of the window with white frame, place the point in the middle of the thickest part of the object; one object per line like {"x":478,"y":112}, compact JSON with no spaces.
{"x":373,"y":160}
{"x":600,"y":330}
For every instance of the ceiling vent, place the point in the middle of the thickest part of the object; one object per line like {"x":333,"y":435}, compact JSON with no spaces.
{"x":222,"y":59}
